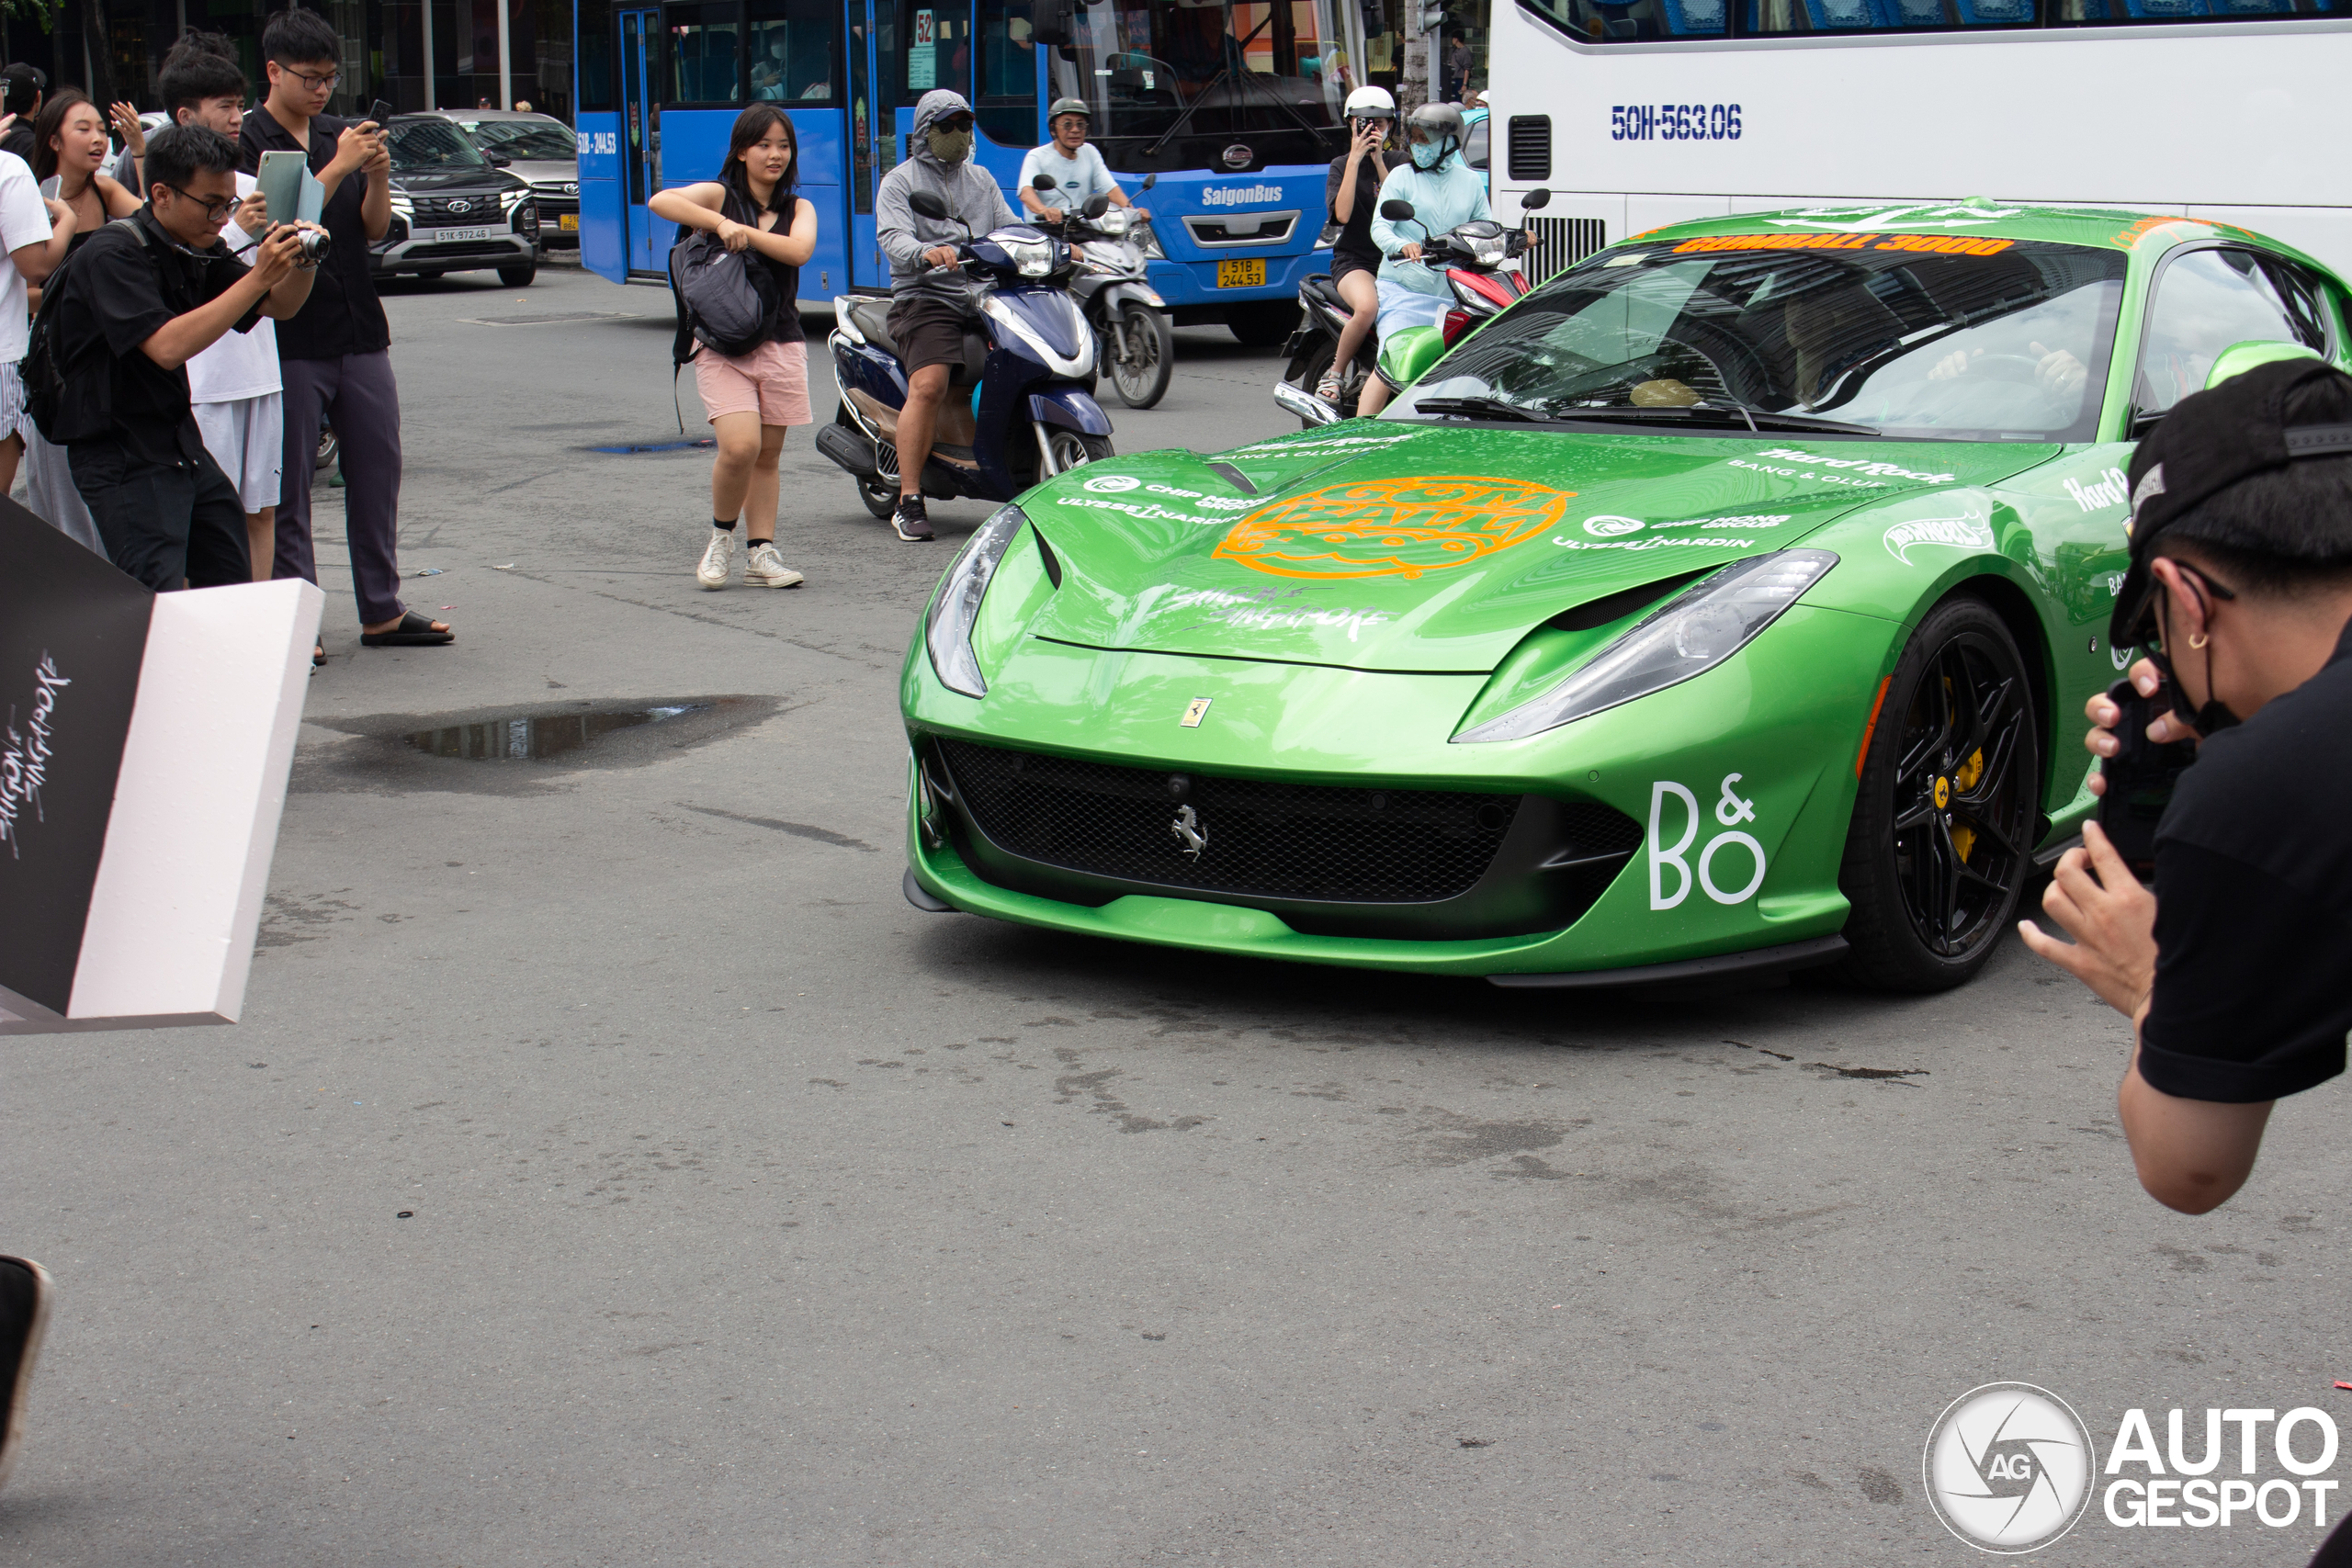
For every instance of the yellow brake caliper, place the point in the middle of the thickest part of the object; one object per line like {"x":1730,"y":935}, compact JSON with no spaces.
{"x":1963,"y":779}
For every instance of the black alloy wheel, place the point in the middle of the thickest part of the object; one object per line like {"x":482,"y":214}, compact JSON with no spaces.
{"x":1943,"y":838}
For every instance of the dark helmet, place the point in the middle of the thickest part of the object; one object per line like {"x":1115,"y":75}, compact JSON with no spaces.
{"x":1068,"y":106}
{"x":1443,"y":122}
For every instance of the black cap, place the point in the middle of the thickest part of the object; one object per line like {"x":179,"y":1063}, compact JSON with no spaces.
{"x":2209,"y":441}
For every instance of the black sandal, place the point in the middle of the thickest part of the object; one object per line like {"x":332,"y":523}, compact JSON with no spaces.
{"x":415,"y":631}
{"x":318,"y":654}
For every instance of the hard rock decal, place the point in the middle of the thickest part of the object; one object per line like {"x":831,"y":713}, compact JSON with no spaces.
{"x":1400,"y":527}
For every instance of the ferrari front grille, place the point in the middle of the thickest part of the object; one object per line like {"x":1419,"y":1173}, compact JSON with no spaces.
{"x":1259,"y":838}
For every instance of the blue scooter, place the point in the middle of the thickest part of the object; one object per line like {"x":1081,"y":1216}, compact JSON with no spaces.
{"x":1026,"y":410}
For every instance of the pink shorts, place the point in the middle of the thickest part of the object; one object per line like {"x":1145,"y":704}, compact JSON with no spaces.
{"x":771,"y":381}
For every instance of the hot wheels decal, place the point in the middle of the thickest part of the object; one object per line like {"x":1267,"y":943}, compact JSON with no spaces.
{"x":1952,"y":533}
{"x":1400,"y":527}
{"x":1731,"y":810}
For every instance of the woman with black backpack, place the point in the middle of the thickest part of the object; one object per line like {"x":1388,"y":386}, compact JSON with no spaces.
{"x":752,"y":396}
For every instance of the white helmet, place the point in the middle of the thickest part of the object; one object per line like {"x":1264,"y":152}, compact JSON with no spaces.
{"x":1369,"y":103}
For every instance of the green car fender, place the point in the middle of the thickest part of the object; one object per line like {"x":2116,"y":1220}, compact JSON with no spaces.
{"x":1408,"y":352}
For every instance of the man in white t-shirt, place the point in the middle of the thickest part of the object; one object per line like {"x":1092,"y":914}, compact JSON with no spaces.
{"x":1076,"y":168}
{"x":234,"y":386}
{"x":35,"y":233}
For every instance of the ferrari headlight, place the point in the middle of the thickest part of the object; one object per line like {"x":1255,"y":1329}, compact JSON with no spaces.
{"x":947,"y":626}
{"x":1691,"y":634}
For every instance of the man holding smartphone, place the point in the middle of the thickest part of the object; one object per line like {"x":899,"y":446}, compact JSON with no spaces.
{"x":334,"y":357}
{"x":2232,"y":969}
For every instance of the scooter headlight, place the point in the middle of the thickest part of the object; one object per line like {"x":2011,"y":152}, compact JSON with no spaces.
{"x":1489,"y":251}
{"x":1032,"y":258}
{"x":1689,"y":635}
{"x":1114,"y":222}
{"x":947,"y":625}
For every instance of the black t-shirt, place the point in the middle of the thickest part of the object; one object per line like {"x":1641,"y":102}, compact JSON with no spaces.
{"x":121,"y":286}
{"x":1355,"y":236}
{"x":2254,"y":904}
{"x":19,"y":139}
{"x":343,"y":314}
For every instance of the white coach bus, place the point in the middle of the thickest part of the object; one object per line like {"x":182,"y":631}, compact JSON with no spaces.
{"x":1638,"y":113}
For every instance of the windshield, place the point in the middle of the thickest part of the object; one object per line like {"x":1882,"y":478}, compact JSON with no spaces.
{"x":1927,"y":336}
{"x":1174,"y":84}
{"x":523,"y":139}
{"x":421,"y":146}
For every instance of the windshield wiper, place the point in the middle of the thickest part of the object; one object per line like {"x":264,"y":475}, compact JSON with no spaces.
{"x":1741,"y":414}
{"x":1489,"y":408}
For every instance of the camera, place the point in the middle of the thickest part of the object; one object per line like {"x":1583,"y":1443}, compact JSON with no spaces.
{"x":314,"y":245}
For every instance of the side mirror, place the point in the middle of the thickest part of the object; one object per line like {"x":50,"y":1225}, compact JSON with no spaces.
{"x":1535,"y":201}
{"x":1397,"y":210}
{"x":1408,"y":352}
{"x":2241,"y":357}
{"x":1148,"y":181}
{"x":928,"y":204}
{"x":1044,"y":183}
{"x":498,"y":160}
{"x":1097,"y":207}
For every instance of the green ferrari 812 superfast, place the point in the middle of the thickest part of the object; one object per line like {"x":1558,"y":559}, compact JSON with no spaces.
{"x":1728,"y":602}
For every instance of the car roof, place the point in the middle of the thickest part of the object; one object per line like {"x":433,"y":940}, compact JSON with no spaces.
{"x":2103,"y":227}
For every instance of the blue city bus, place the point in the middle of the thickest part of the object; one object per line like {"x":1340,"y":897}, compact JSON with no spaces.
{"x":1233,"y":104}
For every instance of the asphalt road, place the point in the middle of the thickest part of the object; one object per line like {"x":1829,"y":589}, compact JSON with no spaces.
{"x":754,"y":1217}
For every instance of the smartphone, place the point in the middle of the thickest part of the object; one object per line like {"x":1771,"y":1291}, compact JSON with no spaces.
{"x":380,"y":112}
{"x":2140,"y":776}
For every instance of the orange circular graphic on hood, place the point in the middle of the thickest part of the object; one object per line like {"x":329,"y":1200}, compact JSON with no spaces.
{"x":1392,"y":527}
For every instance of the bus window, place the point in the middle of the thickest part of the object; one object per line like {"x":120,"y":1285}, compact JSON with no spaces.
{"x":2206,"y":300}
{"x":792,"y":51}
{"x":1175,"y":86}
{"x":595,"y":56}
{"x":1007,"y":104}
{"x":939,"y":50}
{"x":704,"y":61}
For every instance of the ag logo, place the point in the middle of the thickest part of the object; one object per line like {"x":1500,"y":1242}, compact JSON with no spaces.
{"x":2008,"y":1468}
{"x":1114,"y":484}
{"x":1747,"y":853}
{"x":1400,"y":527}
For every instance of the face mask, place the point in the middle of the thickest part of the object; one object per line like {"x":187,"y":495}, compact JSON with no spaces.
{"x":949,"y":146}
{"x":1426,"y":155}
{"x":2208,"y":721}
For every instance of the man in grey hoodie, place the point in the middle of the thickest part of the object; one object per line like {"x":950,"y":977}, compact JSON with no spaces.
{"x":930,"y":299}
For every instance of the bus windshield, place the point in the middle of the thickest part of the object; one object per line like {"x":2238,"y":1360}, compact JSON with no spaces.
{"x":1174,"y":83}
{"x":1924,"y":336}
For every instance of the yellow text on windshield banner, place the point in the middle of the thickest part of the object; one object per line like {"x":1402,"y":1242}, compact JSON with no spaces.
{"x":1937,"y":245}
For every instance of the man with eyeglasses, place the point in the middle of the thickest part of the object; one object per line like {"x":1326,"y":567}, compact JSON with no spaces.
{"x":335,"y":358}
{"x":2232,"y":969}
{"x":144,"y":297}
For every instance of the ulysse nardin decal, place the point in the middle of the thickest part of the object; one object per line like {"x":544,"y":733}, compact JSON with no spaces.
{"x":1189,"y":831}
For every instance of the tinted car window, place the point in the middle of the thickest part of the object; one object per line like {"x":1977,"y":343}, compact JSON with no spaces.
{"x":2206,"y":300}
{"x":1921,"y":335}
{"x":419,"y":146}
{"x":523,"y":139}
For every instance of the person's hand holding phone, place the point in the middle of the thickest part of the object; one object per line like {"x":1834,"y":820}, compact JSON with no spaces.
{"x":2105,"y":714}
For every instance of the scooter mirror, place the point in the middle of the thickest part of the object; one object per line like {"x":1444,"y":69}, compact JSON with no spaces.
{"x":928,"y":204}
{"x":1394,"y":211}
{"x":1097,"y":207}
{"x":1535,"y":201}
{"x":1149,"y":181}
{"x":1042,"y":182}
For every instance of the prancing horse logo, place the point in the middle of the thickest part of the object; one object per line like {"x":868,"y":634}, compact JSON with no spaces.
{"x":1187,"y":827}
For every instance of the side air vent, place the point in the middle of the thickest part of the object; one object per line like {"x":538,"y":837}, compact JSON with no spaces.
{"x":1555,"y":244}
{"x":1529,"y":155}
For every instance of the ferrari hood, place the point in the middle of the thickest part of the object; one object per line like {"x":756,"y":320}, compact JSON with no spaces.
{"x":1396,"y":547}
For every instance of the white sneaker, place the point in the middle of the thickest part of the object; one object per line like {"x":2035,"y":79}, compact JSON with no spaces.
{"x":718,"y":559}
{"x":764,"y":567}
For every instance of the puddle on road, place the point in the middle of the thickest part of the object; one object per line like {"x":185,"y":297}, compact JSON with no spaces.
{"x":537,"y":737}
{"x":639,"y":448}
